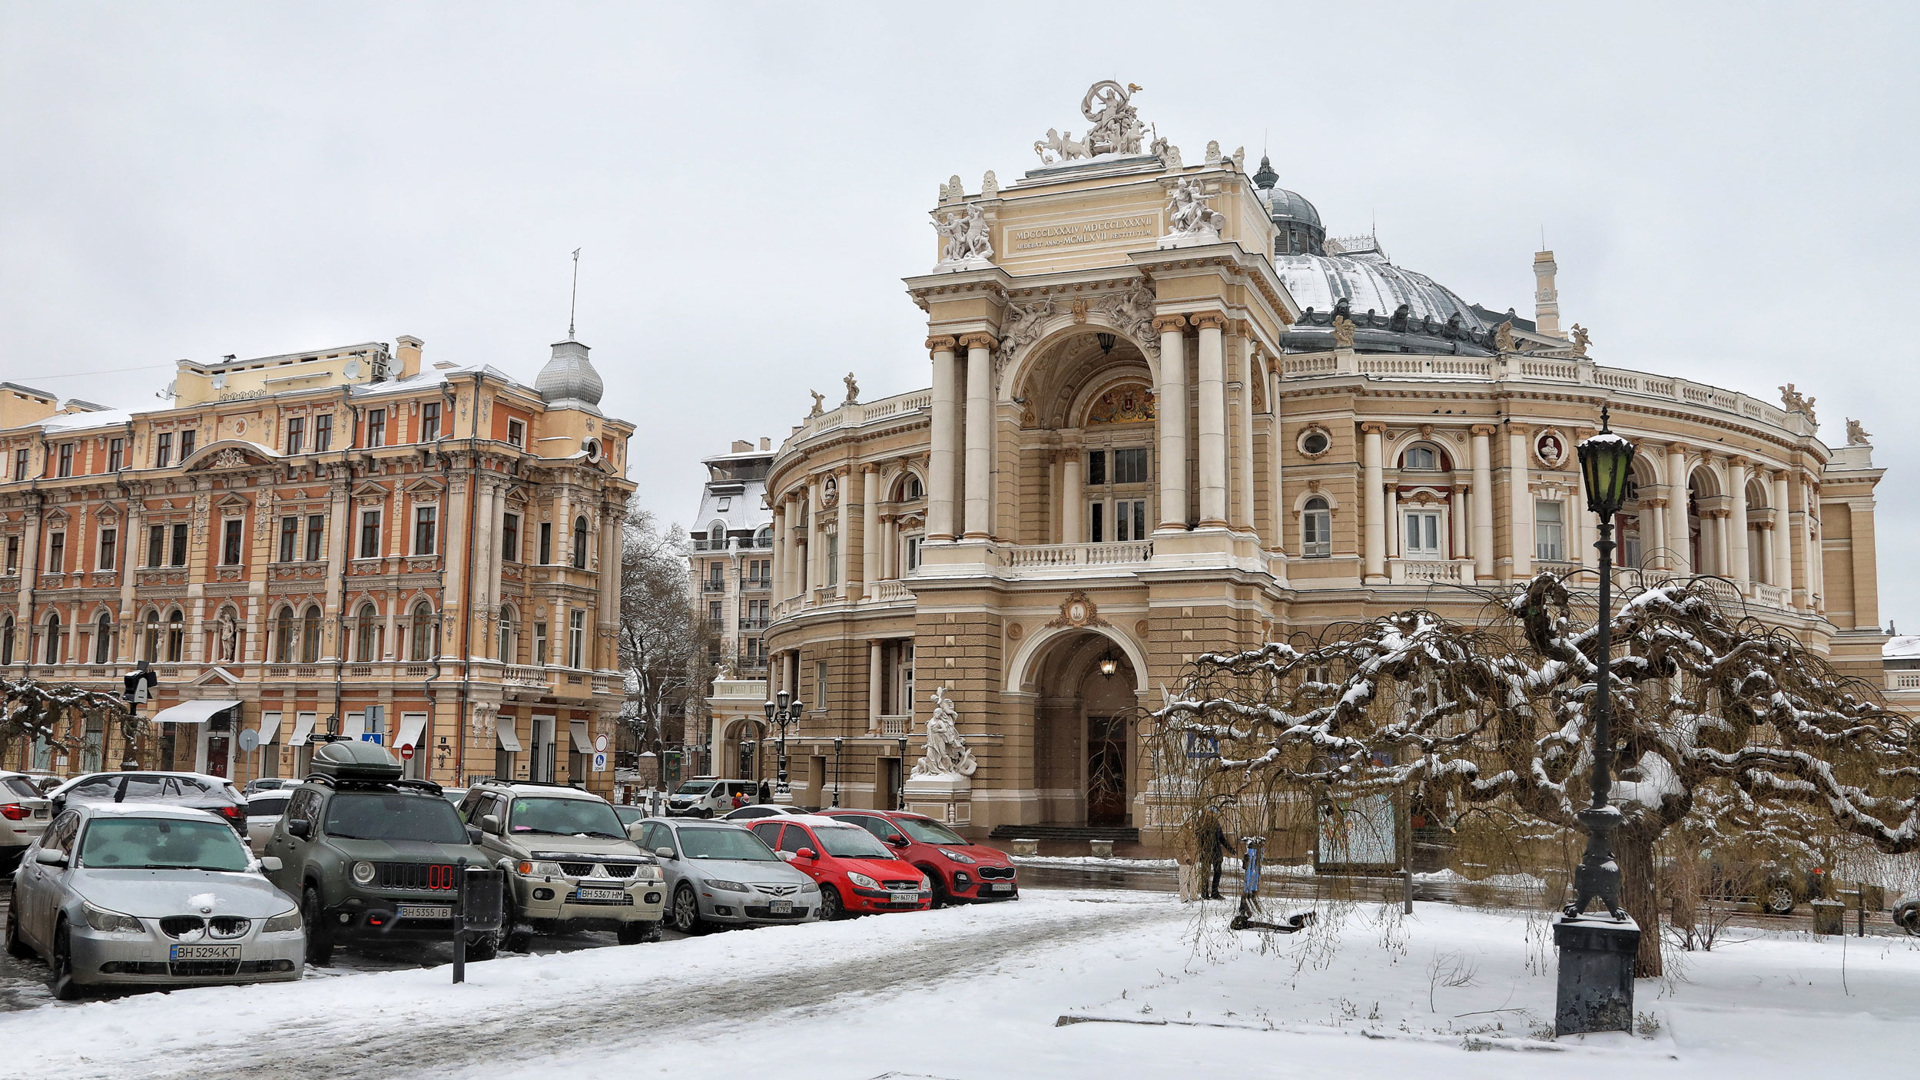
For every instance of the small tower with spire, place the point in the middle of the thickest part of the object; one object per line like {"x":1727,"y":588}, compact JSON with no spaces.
{"x":1546,"y":299}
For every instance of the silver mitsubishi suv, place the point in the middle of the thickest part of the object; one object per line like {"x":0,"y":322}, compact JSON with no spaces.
{"x":569,"y":864}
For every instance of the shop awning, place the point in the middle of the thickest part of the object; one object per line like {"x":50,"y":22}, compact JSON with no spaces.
{"x":581,"y":744}
{"x":269,"y":727}
{"x":509,"y":739}
{"x":353,"y":724}
{"x":302,"y":727}
{"x":411,"y":725}
{"x":193,"y":712}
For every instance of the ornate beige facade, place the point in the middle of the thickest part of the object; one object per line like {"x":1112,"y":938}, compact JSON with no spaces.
{"x":1160,"y":423}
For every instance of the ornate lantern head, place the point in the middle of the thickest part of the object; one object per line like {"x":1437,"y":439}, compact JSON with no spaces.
{"x":770,"y":707}
{"x":1606,"y":462}
{"x":782,"y":697}
{"x":1109,"y":665}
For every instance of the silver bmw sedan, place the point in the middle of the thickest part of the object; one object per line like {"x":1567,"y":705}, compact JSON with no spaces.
{"x":149,"y":895}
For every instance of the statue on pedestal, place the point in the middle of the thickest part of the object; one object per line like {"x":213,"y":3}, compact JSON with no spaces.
{"x":947,"y":753}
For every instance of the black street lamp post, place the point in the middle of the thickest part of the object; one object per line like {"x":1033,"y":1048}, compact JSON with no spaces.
{"x":1596,"y":956}
{"x":784,"y":710}
{"x":837,"y":741}
{"x":900,"y":793}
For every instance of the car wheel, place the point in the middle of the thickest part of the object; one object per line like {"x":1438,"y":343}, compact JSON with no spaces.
{"x":686,"y":910}
{"x":636,"y":933}
{"x":518,"y":935}
{"x":1779,"y":900}
{"x":319,"y":948}
{"x":60,"y":979}
{"x":941,"y":897}
{"x":831,"y":906}
{"x":483,"y":945}
{"x":17,"y":946}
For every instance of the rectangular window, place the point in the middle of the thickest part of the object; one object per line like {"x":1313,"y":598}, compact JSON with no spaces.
{"x":57,"y":553}
{"x":1423,"y":535}
{"x":316,"y":523}
{"x":713,"y":612}
{"x":913,"y":553}
{"x":186,"y":445}
{"x":1549,"y":537}
{"x":66,"y":459}
{"x":1096,"y":467}
{"x":576,"y":639}
{"x":180,"y":544}
{"x":19,"y":464}
{"x":369,"y":534}
{"x":1316,"y":532}
{"x":539,"y":644}
{"x":230,"y":543}
{"x":109,"y":550}
{"x":546,"y":542}
{"x":322,"y":432}
{"x":13,"y":554}
{"x":1130,"y":519}
{"x":423,"y":519}
{"x":510,"y":537}
{"x":289,"y":534}
{"x":516,"y":433}
{"x":116,"y":454}
{"x":1130,"y":466}
{"x":429,"y":421}
{"x":833,"y":558}
{"x":156,"y":544}
{"x":296,"y":434}
{"x":163,"y":450}
{"x":377,"y":427}
{"x":1096,"y":522}
{"x":820,"y":685}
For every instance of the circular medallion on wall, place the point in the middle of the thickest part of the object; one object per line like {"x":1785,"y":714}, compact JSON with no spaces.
{"x":1315,"y":442}
{"x":1550,"y":447}
{"x":239,"y":427}
{"x":1014,"y":630}
{"x":1140,"y":629}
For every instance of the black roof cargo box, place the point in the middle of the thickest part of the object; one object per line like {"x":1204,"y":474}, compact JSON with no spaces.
{"x":345,"y":759}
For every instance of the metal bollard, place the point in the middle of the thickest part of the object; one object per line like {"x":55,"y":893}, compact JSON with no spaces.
{"x":460,"y":923}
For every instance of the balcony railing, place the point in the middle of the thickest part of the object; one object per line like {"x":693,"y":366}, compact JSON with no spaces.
{"x":1042,"y":556}
{"x":754,"y":624}
{"x":1430,"y":571}
{"x":896,"y":725}
{"x":755,"y":584}
{"x":891,"y":590}
{"x":713,"y":585}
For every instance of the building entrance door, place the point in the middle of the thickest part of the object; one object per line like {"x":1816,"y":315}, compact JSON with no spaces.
{"x":1106,"y":770}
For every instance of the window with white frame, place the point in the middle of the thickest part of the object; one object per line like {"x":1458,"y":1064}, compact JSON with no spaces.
{"x":576,"y":639}
{"x":833,"y":557}
{"x":911,"y":546}
{"x":1549,"y":530}
{"x":1422,"y":458}
{"x":1422,"y":532}
{"x":1316,"y":528}
{"x":424,"y":519}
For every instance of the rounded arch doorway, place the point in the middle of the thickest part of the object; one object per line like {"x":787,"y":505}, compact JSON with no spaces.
{"x":1085,"y":688}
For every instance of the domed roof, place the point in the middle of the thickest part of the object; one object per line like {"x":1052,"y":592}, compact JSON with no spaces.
{"x":1284,"y":206}
{"x":569,"y":380}
{"x":1368,"y":282}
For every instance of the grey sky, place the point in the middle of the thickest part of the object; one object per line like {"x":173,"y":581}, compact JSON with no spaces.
{"x":1728,"y":193}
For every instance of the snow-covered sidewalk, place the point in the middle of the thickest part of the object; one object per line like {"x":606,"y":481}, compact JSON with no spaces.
{"x":1110,"y":984}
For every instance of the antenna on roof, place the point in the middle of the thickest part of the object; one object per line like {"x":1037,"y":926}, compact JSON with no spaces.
{"x":573,"y":301}
{"x":1543,"y":236}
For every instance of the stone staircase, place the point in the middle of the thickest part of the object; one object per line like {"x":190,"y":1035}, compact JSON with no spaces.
{"x":1081,"y":833}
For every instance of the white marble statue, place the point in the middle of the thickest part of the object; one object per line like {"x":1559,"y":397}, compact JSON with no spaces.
{"x":1058,"y":147}
{"x":1116,"y":126}
{"x":1188,"y":214}
{"x":953,"y":229}
{"x":976,"y":242}
{"x":947,"y":753}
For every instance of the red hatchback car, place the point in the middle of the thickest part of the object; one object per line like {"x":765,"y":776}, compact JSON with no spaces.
{"x":961,"y":870}
{"x":856,"y":872}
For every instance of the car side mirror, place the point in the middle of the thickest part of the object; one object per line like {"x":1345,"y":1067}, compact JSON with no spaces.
{"x":271,"y":864}
{"x":473,"y":834}
{"x":490,"y":823}
{"x":806,"y":853}
{"x":898,"y":840}
{"x":663,"y":852}
{"x":59,"y":803}
{"x":47,"y":856}
{"x":299,"y":827}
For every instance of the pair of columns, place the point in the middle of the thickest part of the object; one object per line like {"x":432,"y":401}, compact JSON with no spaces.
{"x":950,"y":453}
{"x":1211,"y":419}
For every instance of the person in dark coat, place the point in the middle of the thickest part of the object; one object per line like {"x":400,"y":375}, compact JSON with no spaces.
{"x":766,"y":792}
{"x":1213,"y":848}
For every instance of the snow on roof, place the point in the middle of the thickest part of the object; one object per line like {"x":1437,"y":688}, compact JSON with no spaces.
{"x":1902,"y":647}
{"x":433,"y":377}
{"x":146,"y":809}
{"x":82,"y":421}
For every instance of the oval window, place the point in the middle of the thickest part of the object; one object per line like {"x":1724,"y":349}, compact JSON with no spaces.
{"x":1315,"y":442}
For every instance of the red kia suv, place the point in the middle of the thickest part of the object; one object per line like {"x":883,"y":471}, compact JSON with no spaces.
{"x":961,"y":870}
{"x":856,"y":872}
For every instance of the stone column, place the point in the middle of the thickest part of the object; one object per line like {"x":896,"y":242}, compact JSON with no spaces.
{"x":1243,"y":448}
{"x":1816,"y":558}
{"x":1171,"y":407}
{"x":1212,"y":380}
{"x":1072,"y":529}
{"x":1521,"y":500}
{"x":1580,"y":526}
{"x":132,"y":549}
{"x":1457,"y":526}
{"x":1742,"y":565}
{"x":1373,"y":498}
{"x":843,"y":525}
{"x":1680,"y":561}
{"x":869,"y":528}
{"x":1483,"y":501}
{"x":1276,"y":508}
{"x":1396,"y":536}
{"x":477,"y":555}
{"x":942,"y":459}
{"x":1782,"y":539}
{"x":979,"y":490}
{"x":779,"y":550}
{"x":873,"y":684}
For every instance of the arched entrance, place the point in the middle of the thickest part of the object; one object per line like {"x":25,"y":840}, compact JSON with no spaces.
{"x":1086,"y":743}
{"x":739,"y":754}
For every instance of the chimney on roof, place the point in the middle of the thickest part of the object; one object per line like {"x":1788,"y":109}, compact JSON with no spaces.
{"x":408,"y":350}
{"x":741,"y":446}
{"x":1546,"y":299}
{"x":765,"y":444}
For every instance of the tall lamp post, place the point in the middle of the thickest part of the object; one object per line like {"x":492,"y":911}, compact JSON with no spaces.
{"x":837,"y":741}
{"x":783,"y":710}
{"x":900,"y":789}
{"x":1597,"y":954}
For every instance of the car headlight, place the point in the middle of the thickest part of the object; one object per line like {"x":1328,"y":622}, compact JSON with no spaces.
{"x":649,"y":873}
{"x":810,"y":887}
{"x":926,"y":883}
{"x":956,"y":856}
{"x":111,"y":922}
{"x":540,"y":869}
{"x":363,"y":873}
{"x":863,"y":881}
{"x":726,"y":886}
{"x":281,"y":923}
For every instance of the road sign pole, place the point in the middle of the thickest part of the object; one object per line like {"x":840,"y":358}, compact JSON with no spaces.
{"x":460,"y":924}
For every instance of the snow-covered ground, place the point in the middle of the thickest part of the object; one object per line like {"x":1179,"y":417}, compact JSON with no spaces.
{"x":1063,"y":983}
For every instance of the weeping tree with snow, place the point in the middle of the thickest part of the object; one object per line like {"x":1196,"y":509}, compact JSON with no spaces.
{"x":34,"y":711}
{"x":1498,"y":716}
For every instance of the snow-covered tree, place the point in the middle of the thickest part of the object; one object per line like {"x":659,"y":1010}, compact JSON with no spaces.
{"x":32,"y":710}
{"x":1499,"y":715}
{"x":663,"y":641}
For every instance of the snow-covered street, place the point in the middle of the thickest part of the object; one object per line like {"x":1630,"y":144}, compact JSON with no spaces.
{"x":1063,"y":983}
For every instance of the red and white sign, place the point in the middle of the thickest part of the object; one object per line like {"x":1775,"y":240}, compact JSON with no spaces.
{"x":406,"y":752}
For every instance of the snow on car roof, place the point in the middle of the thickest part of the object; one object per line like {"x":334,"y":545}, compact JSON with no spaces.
{"x":149,"y":809}
{"x":815,"y":819}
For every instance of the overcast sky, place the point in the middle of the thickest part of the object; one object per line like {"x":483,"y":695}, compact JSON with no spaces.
{"x":1730,"y":194}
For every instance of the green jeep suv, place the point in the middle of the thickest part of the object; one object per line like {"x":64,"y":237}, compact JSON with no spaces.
{"x":372,"y":857}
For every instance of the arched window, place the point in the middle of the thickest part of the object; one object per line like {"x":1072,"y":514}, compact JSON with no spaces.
{"x":423,"y":635}
{"x":283,"y":636}
{"x":1421,"y":459}
{"x":763,"y":538}
{"x":310,"y":635}
{"x":580,"y":542}
{"x":366,"y":626}
{"x":508,"y":643}
{"x":716,"y":534}
{"x":1316,"y":529}
{"x":150,"y":652}
{"x":53,"y":638}
{"x":103,"y":639}
{"x":909,"y":489}
{"x":6,"y":641}
{"x":176,"y":635}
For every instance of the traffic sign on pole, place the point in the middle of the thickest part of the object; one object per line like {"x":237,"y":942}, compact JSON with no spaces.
{"x":406,"y":752}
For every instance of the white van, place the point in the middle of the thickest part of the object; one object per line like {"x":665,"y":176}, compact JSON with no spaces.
{"x":710,"y":796}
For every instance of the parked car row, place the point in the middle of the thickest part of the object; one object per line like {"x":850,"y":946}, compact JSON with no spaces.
{"x":168,"y":879}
